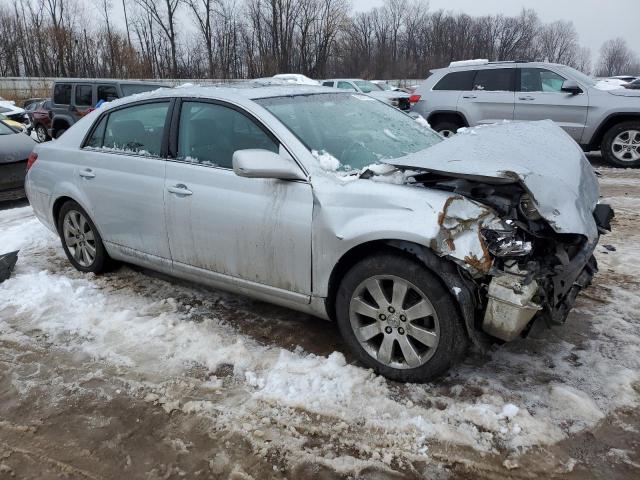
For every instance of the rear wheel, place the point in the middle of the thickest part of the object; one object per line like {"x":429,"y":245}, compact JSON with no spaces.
{"x":446,"y":128}
{"x":398,"y":319}
{"x":80,"y":239}
{"x":621,"y":145}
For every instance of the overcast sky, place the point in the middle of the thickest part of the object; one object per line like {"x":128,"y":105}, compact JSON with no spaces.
{"x":595,"y":20}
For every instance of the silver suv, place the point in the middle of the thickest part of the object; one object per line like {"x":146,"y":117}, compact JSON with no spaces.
{"x":467,"y":94}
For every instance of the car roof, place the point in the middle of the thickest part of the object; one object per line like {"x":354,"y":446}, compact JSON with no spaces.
{"x":492,"y":65}
{"x":107,"y":80}
{"x":236,"y":91}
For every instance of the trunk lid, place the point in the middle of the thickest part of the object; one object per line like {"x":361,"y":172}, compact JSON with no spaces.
{"x":538,"y":155}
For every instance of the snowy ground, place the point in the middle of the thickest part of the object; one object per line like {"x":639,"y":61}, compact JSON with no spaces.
{"x":134,"y":373}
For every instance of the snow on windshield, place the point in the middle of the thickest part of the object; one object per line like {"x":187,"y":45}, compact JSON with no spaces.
{"x":355,"y":132}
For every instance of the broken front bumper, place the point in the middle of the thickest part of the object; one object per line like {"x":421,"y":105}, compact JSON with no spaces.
{"x":515,"y":297}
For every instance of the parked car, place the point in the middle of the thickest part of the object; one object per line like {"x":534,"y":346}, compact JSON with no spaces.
{"x":41,"y":117}
{"x":296,"y":78}
{"x":625,"y":78}
{"x":397,"y":99}
{"x":384,"y":85}
{"x":635,"y":85}
{"x":20,"y":127}
{"x":30,"y":103}
{"x":12,"y":113}
{"x":229,"y":187}
{"x":74,"y":98}
{"x":15,"y":148}
{"x":478,"y":94}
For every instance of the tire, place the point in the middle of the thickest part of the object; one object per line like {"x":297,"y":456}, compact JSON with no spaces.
{"x":75,"y":227}
{"x":41,"y":133}
{"x":439,"y":322}
{"x":621,"y":145}
{"x":446,"y":128}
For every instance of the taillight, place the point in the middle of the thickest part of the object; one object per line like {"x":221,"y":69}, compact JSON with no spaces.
{"x":32,"y":159}
{"x":414,"y":98}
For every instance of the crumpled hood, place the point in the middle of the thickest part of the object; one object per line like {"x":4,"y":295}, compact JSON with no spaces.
{"x":15,"y":147}
{"x":538,"y":155}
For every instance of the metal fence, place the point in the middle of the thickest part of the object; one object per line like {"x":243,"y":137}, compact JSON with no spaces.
{"x":21,"y":88}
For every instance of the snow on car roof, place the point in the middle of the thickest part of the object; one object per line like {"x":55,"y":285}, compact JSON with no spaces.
{"x":250,"y":90}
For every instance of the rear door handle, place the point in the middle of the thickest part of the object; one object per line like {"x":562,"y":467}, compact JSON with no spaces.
{"x":180,"y":190}
{"x":87,"y":173}
{"x":526,"y":98}
{"x":469,"y":96}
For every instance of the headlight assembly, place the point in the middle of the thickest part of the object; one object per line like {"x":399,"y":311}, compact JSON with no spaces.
{"x":504,"y":244}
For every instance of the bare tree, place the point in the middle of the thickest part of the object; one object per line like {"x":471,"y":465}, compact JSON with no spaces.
{"x":558,"y":42}
{"x":616,"y":58}
{"x":163,"y":13}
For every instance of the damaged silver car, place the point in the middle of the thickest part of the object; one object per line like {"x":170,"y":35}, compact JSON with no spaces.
{"x":334,"y":204}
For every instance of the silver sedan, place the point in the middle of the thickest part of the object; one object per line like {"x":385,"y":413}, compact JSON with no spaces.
{"x":334,"y":204}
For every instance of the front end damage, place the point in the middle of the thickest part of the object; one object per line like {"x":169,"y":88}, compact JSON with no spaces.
{"x":519,"y":268}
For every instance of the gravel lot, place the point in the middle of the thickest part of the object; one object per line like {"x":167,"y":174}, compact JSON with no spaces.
{"x":133,"y":375}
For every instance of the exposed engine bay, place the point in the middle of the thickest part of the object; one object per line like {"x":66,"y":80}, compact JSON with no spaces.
{"x":536,"y":272}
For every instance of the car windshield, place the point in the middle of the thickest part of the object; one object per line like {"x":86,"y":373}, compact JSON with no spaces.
{"x":356,"y":129}
{"x":579,"y":76}
{"x":5,"y":130}
{"x":366,"y":86}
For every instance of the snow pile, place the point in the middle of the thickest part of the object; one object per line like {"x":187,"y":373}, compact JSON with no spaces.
{"x":327,"y":161}
{"x":610,"y":84}
{"x":530,"y":392}
{"x":422,"y":121}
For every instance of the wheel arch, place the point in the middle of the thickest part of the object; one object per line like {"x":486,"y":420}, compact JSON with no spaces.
{"x":608,"y":123}
{"x":447,"y":115}
{"x":454,"y":279}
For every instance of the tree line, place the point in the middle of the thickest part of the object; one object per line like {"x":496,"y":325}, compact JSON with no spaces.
{"x":256,"y":38}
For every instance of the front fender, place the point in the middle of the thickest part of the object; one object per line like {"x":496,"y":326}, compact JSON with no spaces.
{"x":447,"y":224}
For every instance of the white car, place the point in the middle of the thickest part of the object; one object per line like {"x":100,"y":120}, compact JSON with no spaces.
{"x":397,"y":99}
{"x":296,"y":78}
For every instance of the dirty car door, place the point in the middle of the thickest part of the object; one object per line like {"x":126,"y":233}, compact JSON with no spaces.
{"x":258,"y":230}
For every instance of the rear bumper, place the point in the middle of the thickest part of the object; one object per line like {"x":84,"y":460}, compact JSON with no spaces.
{"x":12,"y":180}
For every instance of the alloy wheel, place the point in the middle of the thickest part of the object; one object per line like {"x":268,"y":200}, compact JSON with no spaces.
{"x":626,"y":146}
{"x":394,"y":321}
{"x":41,"y":133}
{"x":447,"y":133}
{"x":79,"y":238}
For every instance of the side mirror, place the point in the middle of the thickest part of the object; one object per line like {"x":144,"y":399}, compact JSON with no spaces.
{"x":258,"y":163}
{"x":571,"y":86}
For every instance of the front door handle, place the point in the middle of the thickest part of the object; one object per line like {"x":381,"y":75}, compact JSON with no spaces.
{"x":469,"y":96}
{"x":527,"y":98}
{"x":180,"y":190}
{"x":87,"y":173}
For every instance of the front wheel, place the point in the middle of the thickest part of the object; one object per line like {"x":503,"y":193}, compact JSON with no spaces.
{"x":398,"y":318}
{"x":446,"y":128}
{"x":621,"y":145}
{"x":41,"y":133}
{"x":80,"y":239}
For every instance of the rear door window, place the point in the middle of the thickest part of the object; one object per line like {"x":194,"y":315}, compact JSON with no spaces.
{"x":107,"y":93}
{"x":462,"y":81}
{"x":327,"y":84}
{"x":137,"y":129}
{"x":84,"y":95}
{"x":495,"y":80}
{"x":62,"y":94}
{"x":209,"y":134}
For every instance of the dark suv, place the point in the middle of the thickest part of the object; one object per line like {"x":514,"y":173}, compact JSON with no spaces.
{"x":74,"y":98}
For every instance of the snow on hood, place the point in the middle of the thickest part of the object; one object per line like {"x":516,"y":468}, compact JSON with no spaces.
{"x":610,"y":84}
{"x":538,"y":155}
{"x":625,"y":92}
